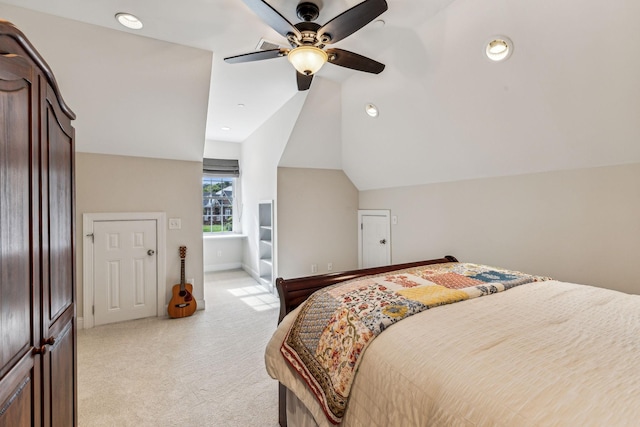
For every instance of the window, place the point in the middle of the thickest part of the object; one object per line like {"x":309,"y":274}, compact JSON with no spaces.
{"x":218,"y":182}
{"x":217,"y":204}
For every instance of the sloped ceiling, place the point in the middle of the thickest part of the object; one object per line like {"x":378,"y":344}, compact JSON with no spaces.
{"x":568,"y":97}
{"x":133,"y":96}
{"x":317,"y":143}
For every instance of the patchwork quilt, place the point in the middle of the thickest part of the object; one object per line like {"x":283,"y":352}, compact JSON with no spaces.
{"x":336,"y":324}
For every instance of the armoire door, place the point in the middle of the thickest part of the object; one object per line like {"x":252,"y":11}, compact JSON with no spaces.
{"x":58,"y":305}
{"x":37,"y":289}
{"x":20,"y":373}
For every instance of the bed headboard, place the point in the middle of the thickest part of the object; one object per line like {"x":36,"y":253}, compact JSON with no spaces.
{"x":293,"y":292}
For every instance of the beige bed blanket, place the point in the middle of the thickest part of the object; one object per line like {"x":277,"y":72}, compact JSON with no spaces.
{"x":547,"y":353}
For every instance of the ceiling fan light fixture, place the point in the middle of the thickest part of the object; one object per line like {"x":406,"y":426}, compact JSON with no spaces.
{"x":499,"y":48}
{"x":307,"y":60}
{"x":129,"y":20}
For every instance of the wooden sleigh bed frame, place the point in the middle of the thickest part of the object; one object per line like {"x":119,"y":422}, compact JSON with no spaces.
{"x":293,"y":292}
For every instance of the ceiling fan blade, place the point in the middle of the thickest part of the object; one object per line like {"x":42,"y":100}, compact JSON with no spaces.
{"x":256,"y":56}
{"x":347,"y":59}
{"x":272,"y":17}
{"x":352,"y":20}
{"x":304,"y":81}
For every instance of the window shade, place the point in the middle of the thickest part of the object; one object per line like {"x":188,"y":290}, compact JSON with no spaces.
{"x":221,"y":167}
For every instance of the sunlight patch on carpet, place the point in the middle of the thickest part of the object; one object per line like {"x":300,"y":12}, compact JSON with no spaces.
{"x":256,"y":297}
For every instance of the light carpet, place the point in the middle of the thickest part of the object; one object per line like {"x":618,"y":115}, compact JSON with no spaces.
{"x":203,"y":370}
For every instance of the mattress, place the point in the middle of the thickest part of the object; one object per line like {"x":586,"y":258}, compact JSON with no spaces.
{"x":545,"y":353}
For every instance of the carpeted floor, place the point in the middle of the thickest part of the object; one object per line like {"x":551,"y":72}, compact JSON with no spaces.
{"x":203,"y":370}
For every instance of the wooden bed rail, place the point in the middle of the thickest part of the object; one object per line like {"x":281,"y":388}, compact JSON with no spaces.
{"x":293,"y":292}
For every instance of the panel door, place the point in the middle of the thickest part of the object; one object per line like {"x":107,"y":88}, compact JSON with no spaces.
{"x":375,"y":240}
{"x":59,"y":298}
{"x":125,"y":270}
{"x":19,"y":274}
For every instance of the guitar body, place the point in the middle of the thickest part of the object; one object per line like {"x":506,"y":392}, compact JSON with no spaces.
{"x":182,"y":303}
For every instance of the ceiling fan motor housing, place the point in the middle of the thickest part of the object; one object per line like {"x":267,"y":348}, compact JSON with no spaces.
{"x":307,"y":11}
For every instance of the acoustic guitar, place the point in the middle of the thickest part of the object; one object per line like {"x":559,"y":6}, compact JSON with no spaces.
{"x":182,"y":302}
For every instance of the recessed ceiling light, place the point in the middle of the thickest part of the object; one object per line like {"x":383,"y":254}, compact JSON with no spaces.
{"x":371,"y":110}
{"x":225,"y":128}
{"x":498,"y":48}
{"x":240,"y":105}
{"x":129,"y":20}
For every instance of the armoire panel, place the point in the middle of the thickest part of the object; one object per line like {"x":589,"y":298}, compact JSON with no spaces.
{"x":60,"y":148}
{"x":16,"y":294}
{"x":62,"y":361}
{"x":20,"y":395}
{"x":17,"y":411}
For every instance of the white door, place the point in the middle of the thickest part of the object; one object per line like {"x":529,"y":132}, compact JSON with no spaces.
{"x":375,"y":238}
{"x":125,"y":270}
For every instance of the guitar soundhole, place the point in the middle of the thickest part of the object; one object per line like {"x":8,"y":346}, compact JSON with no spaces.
{"x":182,"y":293}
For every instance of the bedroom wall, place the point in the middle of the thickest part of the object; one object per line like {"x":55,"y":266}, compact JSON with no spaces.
{"x":317,"y":203}
{"x":222,"y":252}
{"x":576,"y":225}
{"x":107,"y":183}
{"x":317,"y":221}
{"x":259,"y":158}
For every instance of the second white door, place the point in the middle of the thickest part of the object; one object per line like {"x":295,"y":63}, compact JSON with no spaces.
{"x":125,"y":270}
{"x":374,"y":238}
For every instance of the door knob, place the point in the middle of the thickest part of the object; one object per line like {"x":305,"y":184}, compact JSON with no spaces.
{"x":40,"y":350}
{"x":383,"y":241}
{"x":151,"y":252}
{"x":43,"y":348}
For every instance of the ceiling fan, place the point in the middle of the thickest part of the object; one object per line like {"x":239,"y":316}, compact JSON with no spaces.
{"x":308,"y":39}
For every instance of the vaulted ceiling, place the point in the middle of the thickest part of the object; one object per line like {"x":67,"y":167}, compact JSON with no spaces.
{"x":568,"y":97}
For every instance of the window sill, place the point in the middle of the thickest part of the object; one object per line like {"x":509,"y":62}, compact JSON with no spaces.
{"x":223,"y":236}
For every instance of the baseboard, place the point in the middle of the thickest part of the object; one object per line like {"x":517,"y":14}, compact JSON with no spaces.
{"x":202,"y":305}
{"x":251,"y":272}
{"x":221,"y":267}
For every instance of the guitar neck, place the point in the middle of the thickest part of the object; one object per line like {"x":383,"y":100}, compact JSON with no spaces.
{"x":182,"y":287}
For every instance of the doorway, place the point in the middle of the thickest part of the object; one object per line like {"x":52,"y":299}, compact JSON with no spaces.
{"x":124,"y":267}
{"x":374,"y":238}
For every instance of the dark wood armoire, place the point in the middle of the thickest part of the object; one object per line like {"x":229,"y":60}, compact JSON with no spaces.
{"x":38,"y":384}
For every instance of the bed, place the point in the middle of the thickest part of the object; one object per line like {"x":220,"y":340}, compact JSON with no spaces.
{"x":536,"y":352}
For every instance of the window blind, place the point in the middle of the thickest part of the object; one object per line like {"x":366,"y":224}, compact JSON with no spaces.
{"x":221,"y":167}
